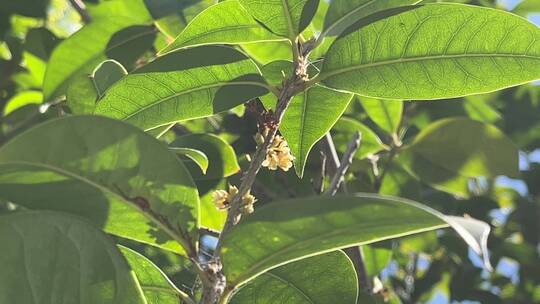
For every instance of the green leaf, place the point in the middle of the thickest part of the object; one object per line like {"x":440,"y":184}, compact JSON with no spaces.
{"x":376,"y":259}
{"x":310,"y":115}
{"x":211,"y":217}
{"x":187,"y":84}
{"x":106,"y":171}
{"x":527,"y":7}
{"x":385,"y":113}
{"x":434,"y":51}
{"x":286,"y":18}
{"x":342,"y":14}
{"x":81,"y":94}
{"x":22,"y":99}
{"x":157,"y":288}
{"x":106,"y":74}
{"x":267,"y":52}
{"x":198,"y":157}
{"x":466,"y":147}
{"x":343,"y":132}
{"x":55,"y":258}
{"x":327,"y":278}
{"x":224,"y":23}
{"x":221,"y":156}
{"x":398,"y":182}
{"x":116,"y":38}
{"x":291,"y":230}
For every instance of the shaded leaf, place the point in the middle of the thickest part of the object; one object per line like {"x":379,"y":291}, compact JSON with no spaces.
{"x":291,"y":230}
{"x":385,"y":113}
{"x":187,"y":84}
{"x":106,"y":171}
{"x":54,"y":256}
{"x":81,"y":94}
{"x":467,"y":147}
{"x":198,"y":157}
{"x":343,"y":132}
{"x":157,"y":288}
{"x":106,"y":74}
{"x":116,"y":38}
{"x":327,"y":278}
{"x":221,"y":156}
{"x":435,"y":51}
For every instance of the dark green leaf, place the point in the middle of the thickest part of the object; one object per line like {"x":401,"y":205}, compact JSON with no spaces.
{"x":198,"y":157}
{"x":55,"y":258}
{"x":291,"y":230}
{"x":116,"y":38}
{"x":106,"y":74}
{"x":81,"y":94}
{"x":157,"y":288}
{"x":323,"y":279}
{"x":221,"y":156}
{"x":106,"y":171}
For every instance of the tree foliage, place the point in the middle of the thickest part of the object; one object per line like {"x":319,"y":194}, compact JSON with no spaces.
{"x":187,"y":151}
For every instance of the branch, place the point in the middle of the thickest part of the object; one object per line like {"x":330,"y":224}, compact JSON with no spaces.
{"x":215,"y":282}
{"x":346,"y":162}
{"x":318,"y":183}
{"x":80,"y":7}
{"x":355,"y":253}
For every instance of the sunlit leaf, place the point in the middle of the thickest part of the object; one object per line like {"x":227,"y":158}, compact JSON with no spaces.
{"x":435,"y":51}
{"x":187,"y":84}
{"x":106,"y":171}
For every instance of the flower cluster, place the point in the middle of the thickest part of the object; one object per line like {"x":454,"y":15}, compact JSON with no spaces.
{"x":279,"y":155}
{"x":223,"y":199}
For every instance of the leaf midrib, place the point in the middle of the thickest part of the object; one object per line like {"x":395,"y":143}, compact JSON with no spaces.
{"x":250,"y":273}
{"x":193,"y":90}
{"x":101,"y":188}
{"x":339,"y":20}
{"x":218,"y":30}
{"x":416,"y":59}
{"x":291,"y":284}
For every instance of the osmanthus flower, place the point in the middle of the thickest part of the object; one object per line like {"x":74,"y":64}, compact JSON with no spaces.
{"x":223,"y":199}
{"x":279,"y":155}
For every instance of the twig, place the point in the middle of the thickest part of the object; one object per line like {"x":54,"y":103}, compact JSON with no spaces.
{"x":215,"y":288}
{"x":346,"y":162}
{"x":327,"y":146}
{"x":80,"y":7}
{"x":355,"y":253}
{"x":318,"y":184}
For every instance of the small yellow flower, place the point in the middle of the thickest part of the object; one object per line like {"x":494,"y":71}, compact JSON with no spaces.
{"x":279,"y":155}
{"x":223,"y":199}
{"x":248,"y":202}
